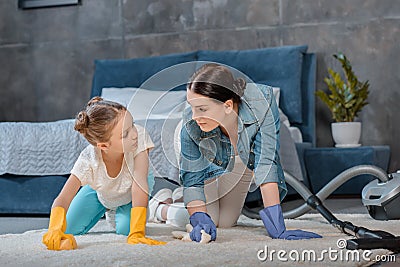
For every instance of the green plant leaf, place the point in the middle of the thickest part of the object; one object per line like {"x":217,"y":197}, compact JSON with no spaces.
{"x":346,"y":96}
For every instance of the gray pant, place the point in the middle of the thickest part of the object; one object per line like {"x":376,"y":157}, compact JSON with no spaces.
{"x":225,"y":195}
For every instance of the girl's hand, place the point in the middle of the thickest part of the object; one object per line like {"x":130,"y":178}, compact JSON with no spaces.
{"x":138,"y":226}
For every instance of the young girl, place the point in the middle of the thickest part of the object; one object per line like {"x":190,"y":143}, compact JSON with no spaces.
{"x":113,"y":171}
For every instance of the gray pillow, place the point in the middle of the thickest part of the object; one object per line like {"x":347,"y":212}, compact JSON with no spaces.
{"x":288,"y":153}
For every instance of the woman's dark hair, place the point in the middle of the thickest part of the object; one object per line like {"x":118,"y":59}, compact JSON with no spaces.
{"x":217,"y":82}
{"x":98,"y":119}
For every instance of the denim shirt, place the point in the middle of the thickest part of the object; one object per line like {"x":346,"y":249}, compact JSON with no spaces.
{"x":205,"y":155}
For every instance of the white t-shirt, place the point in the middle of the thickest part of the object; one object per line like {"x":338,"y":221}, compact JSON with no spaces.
{"x":91,"y":170}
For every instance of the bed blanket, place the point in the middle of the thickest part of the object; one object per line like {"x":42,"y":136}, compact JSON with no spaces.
{"x":44,"y":148}
{"x":51,"y":148}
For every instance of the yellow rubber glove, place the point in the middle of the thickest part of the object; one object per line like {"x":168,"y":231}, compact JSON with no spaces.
{"x":55,"y":238}
{"x":138,"y":226}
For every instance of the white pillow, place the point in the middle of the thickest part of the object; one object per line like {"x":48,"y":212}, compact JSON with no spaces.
{"x":119,"y":95}
{"x":277,"y":94}
{"x":148,"y":104}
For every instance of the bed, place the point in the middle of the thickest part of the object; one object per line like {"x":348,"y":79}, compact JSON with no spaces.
{"x":289,"y":68}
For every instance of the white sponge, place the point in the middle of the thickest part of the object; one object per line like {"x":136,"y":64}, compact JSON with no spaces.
{"x":184,"y":236}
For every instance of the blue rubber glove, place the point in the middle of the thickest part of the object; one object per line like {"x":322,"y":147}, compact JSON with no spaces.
{"x":202,"y":221}
{"x":272,"y":218}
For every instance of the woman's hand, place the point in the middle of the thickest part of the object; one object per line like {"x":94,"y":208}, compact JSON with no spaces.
{"x":272,"y":218}
{"x":202,"y":221}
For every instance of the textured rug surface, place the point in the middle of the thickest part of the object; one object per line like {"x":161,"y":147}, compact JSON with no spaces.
{"x":244,"y":245}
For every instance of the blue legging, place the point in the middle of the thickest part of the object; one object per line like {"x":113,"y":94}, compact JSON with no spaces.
{"x":86,"y":210}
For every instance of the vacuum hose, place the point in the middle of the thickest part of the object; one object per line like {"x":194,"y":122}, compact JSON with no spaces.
{"x":365,"y":238}
{"x":329,"y":188}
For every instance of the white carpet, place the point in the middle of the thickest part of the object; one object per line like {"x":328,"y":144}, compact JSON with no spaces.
{"x":237,"y":246}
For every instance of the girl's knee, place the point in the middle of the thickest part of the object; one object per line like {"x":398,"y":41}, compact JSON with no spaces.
{"x":123,"y":219}
{"x":76,"y":229}
{"x":123,"y":228}
{"x":122,"y":225}
{"x":81,"y":225}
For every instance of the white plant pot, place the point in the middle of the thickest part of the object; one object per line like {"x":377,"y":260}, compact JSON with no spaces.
{"x":346,"y":134}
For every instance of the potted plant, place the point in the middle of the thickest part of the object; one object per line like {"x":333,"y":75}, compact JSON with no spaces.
{"x":346,"y":99}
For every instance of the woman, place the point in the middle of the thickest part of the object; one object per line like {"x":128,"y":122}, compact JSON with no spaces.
{"x":229,"y":136}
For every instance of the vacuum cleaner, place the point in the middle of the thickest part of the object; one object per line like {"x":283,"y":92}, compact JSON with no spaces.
{"x":380,"y":197}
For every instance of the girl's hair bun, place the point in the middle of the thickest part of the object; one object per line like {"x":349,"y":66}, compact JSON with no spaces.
{"x":81,"y":122}
{"x":98,"y":119}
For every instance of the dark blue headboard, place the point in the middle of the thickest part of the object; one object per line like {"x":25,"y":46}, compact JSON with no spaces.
{"x":308,"y":83}
{"x":289,"y":67}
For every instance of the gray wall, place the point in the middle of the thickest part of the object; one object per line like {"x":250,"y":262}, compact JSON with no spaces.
{"x":47,"y":55}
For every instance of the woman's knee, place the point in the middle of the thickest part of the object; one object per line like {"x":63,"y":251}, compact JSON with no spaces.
{"x":213,"y":211}
{"x":226,"y":223}
{"x":228,"y":216}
